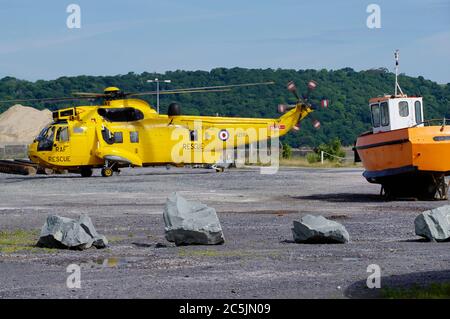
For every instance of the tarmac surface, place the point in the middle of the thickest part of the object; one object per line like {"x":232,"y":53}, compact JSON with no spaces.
{"x":258,"y":259}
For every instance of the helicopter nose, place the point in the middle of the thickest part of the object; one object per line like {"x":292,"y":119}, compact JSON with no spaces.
{"x":32,"y":151}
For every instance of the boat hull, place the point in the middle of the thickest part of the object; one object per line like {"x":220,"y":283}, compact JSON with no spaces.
{"x":410,"y":160}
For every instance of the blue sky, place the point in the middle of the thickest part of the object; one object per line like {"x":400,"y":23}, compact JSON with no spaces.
{"x":117,"y":37}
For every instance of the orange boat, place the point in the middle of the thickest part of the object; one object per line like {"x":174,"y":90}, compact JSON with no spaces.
{"x":405,"y":154}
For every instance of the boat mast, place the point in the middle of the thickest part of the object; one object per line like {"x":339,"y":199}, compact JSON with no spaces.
{"x":397,"y":86}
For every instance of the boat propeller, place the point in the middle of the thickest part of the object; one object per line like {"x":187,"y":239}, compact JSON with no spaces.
{"x":305,"y":100}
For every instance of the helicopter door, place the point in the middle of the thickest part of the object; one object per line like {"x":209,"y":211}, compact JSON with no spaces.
{"x":61,"y":146}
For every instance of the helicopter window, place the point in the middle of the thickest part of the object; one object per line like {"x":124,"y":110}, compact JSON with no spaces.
{"x":46,"y":139}
{"x":118,"y":137}
{"x":42,"y":133}
{"x":126,"y":114}
{"x":107,"y":136}
{"x":50,"y":133}
{"x":58,"y":131}
{"x":193,"y":135}
{"x":134,"y":137}
{"x":62,"y":134}
{"x":403,"y":108}
{"x":418,"y":109}
{"x":67,"y":113}
{"x":78,"y":130}
{"x":384,"y":114}
{"x":375,"y":115}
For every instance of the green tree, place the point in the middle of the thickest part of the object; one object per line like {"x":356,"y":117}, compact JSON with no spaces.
{"x":347,"y":90}
{"x":286,"y":151}
{"x":332,"y":151}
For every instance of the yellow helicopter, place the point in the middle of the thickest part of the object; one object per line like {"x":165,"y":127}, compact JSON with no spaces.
{"x":125,"y":131}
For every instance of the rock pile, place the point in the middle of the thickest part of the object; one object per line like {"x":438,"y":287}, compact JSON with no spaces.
{"x":434,"y":224}
{"x":191,"y":223}
{"x":319,"y":230}
{"x":66,"y":233}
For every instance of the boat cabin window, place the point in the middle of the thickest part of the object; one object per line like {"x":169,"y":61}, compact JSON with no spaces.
{"x":403,"y":109}
{"x":418,"y":111}
{"x":375,"y":115}
{"x":62,"y":134}
{"x":384,"y":114}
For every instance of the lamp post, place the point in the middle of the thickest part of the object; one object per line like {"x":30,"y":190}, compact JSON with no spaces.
{"x":156,"y":80}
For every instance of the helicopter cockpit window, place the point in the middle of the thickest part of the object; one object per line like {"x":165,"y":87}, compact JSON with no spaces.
{"x":125,"y":114}
{"x":62,"y":134}
{"x":46,"y":139}
{"x":42,"y":133}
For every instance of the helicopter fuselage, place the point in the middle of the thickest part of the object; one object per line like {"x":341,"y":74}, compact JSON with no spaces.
{"x":129,"y":132}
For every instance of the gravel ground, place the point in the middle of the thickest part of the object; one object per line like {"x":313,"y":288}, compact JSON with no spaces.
{"x":258,"y":259}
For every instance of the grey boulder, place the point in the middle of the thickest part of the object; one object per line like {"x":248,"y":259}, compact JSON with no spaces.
{"x":434,"y":224}
{"x":319,"y":230}
{"x":191,"y":222}
{"x":62,"y":232}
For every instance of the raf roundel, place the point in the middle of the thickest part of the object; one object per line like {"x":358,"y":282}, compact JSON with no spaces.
{"x":224,"y":135}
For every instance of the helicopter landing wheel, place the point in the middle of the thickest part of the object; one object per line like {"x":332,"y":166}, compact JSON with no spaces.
{"x":86,"y":172}
{"x":218,"y":169}
{"x":115,"y":169}
{"x":107,"y":172}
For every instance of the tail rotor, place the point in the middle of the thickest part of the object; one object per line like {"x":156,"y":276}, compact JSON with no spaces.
{"x":305,"y":100}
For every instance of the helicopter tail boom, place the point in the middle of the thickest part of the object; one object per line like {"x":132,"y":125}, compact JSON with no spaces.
{"x":289,"y":121}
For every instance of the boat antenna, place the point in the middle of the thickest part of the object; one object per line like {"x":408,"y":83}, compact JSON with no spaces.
{"x":397,"y":86}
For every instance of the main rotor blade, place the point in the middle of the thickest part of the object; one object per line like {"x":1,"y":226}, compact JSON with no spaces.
{"x":191,"y":91}
{"x":48,"y":100}
{"x":203,"y":88}
{"x":91,"y":96}
{"x":183,"y":91}
{"x":94,"y":95}
{"x":231,"y":85}
{"x":63,"y":99}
